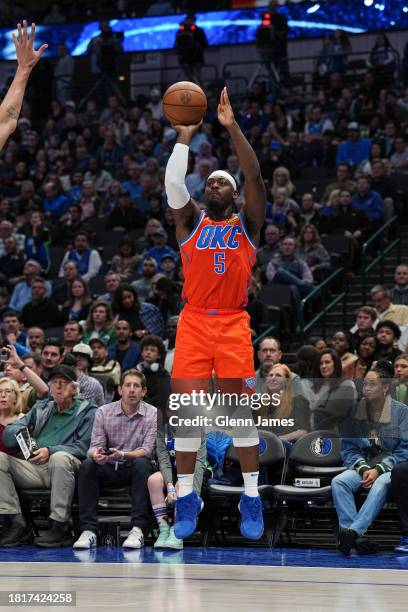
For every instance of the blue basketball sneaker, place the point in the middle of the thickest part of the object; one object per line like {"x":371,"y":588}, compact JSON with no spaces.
{"x":187,"y":510}
{"x":402,"y":547}
{"x":252,"y":525}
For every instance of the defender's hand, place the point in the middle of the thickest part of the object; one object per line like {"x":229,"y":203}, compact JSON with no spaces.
{"x":27,"y":56}
{"x":224,"y":111}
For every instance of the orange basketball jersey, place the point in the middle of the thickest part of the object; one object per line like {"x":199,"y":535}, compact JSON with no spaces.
{"x":217,"y":261}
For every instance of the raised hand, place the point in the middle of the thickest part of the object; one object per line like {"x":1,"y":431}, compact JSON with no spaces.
{"x":224,"y":111}
{"x":186,"y":132}
{"x":27,"y":56}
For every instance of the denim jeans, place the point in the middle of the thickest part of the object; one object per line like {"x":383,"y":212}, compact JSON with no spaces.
{"x":343,"y":488}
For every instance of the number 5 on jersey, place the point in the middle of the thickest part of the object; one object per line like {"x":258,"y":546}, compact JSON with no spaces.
{"x":219,"y":263}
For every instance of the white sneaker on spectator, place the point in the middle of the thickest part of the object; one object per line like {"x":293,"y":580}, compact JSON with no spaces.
{"x":135,"y":538}
{"x":87,"y":539}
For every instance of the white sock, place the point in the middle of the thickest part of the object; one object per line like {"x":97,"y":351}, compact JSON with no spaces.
{"x":185,"y":482}
{"x":251,"y":483}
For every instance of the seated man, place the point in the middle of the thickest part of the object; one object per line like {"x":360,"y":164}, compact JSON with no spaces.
{"x":61,"y":425}
{"x":122,"y":446}
{"x":105,"y":370}
{"x":376,"y":439}
{"x":157,"y":378}
{"x":89,"y":387}
{"x":126,"y":351}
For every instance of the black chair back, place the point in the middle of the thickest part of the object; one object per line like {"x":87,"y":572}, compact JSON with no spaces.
{"x":271,"y":449}
{"x":318,"y":448}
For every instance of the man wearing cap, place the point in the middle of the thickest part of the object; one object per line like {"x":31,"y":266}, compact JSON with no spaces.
{"x":160,"y":247}
{"x":355,"y":149}
{"x":105,"y":370}
{"x":89,"y":388}
{"x":61,"y":424}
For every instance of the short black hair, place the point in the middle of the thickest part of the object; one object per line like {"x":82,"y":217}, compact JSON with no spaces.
{"x":151,"y":340}
{"x":392,"y":326}
{"x":53,"y":341}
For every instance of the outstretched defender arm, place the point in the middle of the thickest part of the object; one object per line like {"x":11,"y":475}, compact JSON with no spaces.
{"x":27,"y":58}
{"x":254,"y":189}
{"x":186,"y":211}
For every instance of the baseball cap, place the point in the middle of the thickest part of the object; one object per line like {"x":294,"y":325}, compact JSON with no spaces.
{"x":70,"y":104}
{"x":65,"y":372}
{"x":160,"y":232}
{"x":83,"y":349}
{"x":100,"y":340}
{"x":353,"y":125}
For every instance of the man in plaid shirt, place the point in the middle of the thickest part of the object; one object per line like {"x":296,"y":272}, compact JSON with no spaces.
{"x":122,"y":446}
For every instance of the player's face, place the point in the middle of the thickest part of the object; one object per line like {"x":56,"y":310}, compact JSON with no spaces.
{"x":219,"y":193}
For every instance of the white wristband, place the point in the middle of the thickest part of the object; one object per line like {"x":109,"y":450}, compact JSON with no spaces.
{"x":176,"y":190}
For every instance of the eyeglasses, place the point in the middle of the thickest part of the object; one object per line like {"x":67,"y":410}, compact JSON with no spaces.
{"x":6,"y":391}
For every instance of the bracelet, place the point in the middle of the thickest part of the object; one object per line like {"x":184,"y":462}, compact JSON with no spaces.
{"x":171,"y":488}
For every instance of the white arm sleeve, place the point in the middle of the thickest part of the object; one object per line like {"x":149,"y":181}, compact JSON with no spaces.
{"x":176,"y":190}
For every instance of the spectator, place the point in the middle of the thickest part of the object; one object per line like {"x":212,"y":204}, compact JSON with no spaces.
{"x":22,"y":293}
{"x":363,"y":449}
{"x":112,"y":282}
{"x":106,"y":370}
{"x":309,"y":211}
{"x":333,"y":397}
{"x":55,"y":203}
{"x":382,"y":60}
{"x":120,"y":453}
{"x":399,"y":160}
{"x":35,"y":339}
{"x":190,"y":43}
{"x":342,"y":343}
{"x":77,"y":306}
{"x":380,"y":298}
{"x":289,"y":269}
{"x":7,"y":230}
{"x":170,"y":342}
{"x":343,"y":181}
{"x":87,"y":260}
{"x":400,"y":390}
{"x":166,"y":297}
{"x":124,"y":216}
{"x":366,"y":320}
{"x":61,"y":449}
{"x":30,"y":386}
{"x":51,"y":356}
{"x":316,"y":125}
{"x":355,"y":149}
{"x":126,"y":262}
{"x":73,"y":335}
{"x":366,"y":347}
{"x":313,"y":252}
{"x":143,"y":318}
{"x":38,"y":240}
{"x":99,"y":323}
{"x":12,"y":262}
{"x":13,"y":328}
{"x":269,"y":353}
{"x":399,"y":293}
{"x":157,"y":378}
{"x":388,"y":334}
{"x":290,"y":406}
{"x":281,"y":178}
{"x":41,"y":310}
{"x":61,"y":287}
{"x":126,"y":351}
{"x":368,"y":201}
{"x":10,"y":409}
{"x":64,"y":74}
{"x":163,"y":487}
{"x":271,"y":247}
{"x":89,"y":387}
{"x":70,"y":225}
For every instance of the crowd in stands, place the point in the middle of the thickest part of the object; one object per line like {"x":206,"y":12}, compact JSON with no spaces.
{"x":91,"y":285}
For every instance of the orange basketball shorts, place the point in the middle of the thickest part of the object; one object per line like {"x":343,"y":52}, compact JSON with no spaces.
{"x":214,"y":342}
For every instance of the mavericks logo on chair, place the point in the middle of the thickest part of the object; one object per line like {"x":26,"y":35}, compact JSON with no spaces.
{"x":321,"y":446}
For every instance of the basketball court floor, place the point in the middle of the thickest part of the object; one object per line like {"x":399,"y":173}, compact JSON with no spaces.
{"x":220,"y":579}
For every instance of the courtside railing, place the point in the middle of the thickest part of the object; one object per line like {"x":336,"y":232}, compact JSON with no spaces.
{"x":381,"y":245}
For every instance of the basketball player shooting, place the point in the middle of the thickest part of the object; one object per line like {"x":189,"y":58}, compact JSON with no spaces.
{"x":27,"y":58}
{"x":218,"y":249}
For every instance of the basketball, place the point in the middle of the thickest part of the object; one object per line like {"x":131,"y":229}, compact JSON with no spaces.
{"x":184,"y":103}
